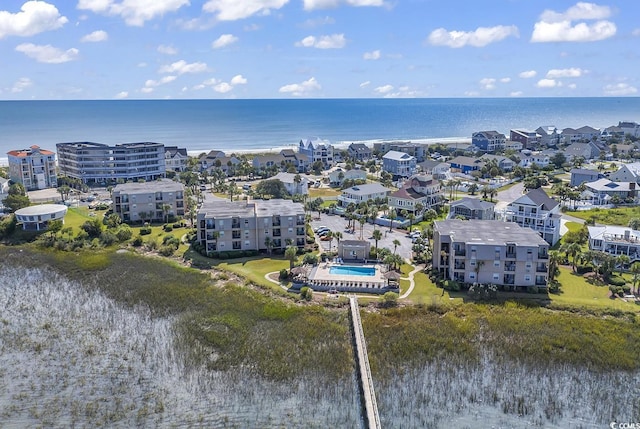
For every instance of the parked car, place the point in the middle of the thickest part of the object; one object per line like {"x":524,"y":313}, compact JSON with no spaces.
{"x":323,"y":233}
{"x":326,"y":237}
{"x":320,"y":228}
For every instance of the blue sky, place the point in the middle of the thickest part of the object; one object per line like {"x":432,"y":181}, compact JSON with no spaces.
{"x":153,"y":49}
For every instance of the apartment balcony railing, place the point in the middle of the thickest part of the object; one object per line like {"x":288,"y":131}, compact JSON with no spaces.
{"x":460,"y":252}
{"x":510,"y":255}
{"x":276,"y":233}
{"x":235,"y":225}
{"x":459,"y":266}
{"x":541,"y":268}
{"x":236,"y":235}
{"x":543,"y":256}
{"x":510,"y":268}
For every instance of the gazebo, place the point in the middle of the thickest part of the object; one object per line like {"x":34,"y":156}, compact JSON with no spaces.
{"x":392,"y":277}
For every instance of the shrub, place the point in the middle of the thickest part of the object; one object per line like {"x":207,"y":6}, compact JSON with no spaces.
{"x":178,"y":225}
{"x":389,"y":299}
{"x":170,"y":240}
{"x":124,"y":233}
{"x":617,"y":281}
{"x":310,"y":258}
{"x":145,"y":230}
{"x":167,"y":228}
{"x":452,"y":285}
{"x":137,"y":242}
{"x":108,"y":238}
{"x":284,"y":274}
{"x":166,"y":250}
{"x":306,"y":293}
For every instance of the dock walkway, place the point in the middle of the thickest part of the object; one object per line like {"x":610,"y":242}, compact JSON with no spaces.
{"x":366,"y":382}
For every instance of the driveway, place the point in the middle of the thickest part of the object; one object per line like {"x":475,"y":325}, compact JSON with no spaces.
{"x":338,"y":224}
{"x":509,"y":195}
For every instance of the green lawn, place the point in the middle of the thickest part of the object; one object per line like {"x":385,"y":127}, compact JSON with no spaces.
{"x":323,"y":192}
{"x":255,"y":268}
{"x":616,"y":216}
{"x":576,"y":292}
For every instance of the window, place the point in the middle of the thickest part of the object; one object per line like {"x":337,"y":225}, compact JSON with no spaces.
{"x":527,"y":278}
{"x":496,"y":263}
{"x":472,"y":276}
{"x":496,"y":276}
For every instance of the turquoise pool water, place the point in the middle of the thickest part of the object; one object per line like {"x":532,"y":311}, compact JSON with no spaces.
{"x":352,"y":271}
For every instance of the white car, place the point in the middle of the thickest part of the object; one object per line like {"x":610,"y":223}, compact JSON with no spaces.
{"x":320,"y":228}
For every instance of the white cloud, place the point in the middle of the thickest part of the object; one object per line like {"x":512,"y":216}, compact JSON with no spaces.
{"x":505,"y":80}
{"x":636,"y":32}
{"x":222,"y":88}
{"x":34,"y":17}
{"x":548,"y":83}
{"x":365,"y":84}
{"x":134,"y":13}
{"x":558,"y":73}
{"x":375,"y":55}
{"x":47,"y":53}
{"x":163,"y":81}
{"x":488,"y":83}
{"x":21,"y":84}
{"x":147,"y":90}
{"x":318,"y":22}
{"x":182,"y":67}
{"x":224,"y":40}
{"x":516,"y":94}
{"x":238,"y":80}
{"x":478,"y":38}
{"x":334,"y":41}
{"x":619,"y":89}
{"x":326,"y":4}
{"x":385,"y":89}
{"x":527,"y":74}
{"x":232,"y":10}
{"x":558,"y":27}
{"x":96,"y":36}
{"x":301,"y":89}
{"x":401,"y":92}
{"x":167,"y":50}
{"x":121,"y":95}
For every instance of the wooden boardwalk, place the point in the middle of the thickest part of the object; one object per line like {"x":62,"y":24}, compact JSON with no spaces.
{"x":364,"y":376}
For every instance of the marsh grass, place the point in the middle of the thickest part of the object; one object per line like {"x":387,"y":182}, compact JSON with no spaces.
{"x":615,"y":216}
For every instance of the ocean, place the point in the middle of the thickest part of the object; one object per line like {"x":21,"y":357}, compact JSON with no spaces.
{"x":264,"y":125}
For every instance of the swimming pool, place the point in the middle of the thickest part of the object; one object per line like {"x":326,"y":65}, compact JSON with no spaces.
{"x":352,"y":271}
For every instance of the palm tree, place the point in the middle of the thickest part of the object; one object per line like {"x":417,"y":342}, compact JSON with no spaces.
{"x":362,"y":220}
{"x":444,"y":256}
{"x":338,"y":236}
{"x":572,"y":250}
{"x":622,"y":260}
{"x":290,"y":253}
{"x":392,"y":215}
{"x":411,"y":218}
{"x":396,"y":243}
{"x":373,"y":214}
{"x":635,"y":270}
{"x":377,"y":236}
{"x":554,"y":262}
{"x":231,"y":189}
{"x":268,"y":242}
{"x":165,"y":211}
{"x":418,"y":210}
{"x":297,"y":180}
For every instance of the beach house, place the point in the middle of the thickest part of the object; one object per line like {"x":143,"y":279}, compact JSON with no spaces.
{"x":359,"y":152}
{"x":338,"y":176}
{"x":399,"y":164}
{"x":295,"y":184}
{"x":528,"y":138}
{"x":316,"y":150}
{"x":615,"y":240}
{"x":418,"y":189}
{"x":471,"y":208}
{"x":583,"y":175}
{"x":488,"y":141}
{"x":537,"y":211}
{"x":360,"y":193}
{"x":175,"y":158}
{"x":627,"y":173}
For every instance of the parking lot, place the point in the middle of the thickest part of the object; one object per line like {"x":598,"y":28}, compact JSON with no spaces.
{"x":338,"y":224}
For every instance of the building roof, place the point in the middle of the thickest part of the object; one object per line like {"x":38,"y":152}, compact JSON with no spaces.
{"x":473,"y":204}
{"x":541,"y":199}
{"x":288,"y":152}
{"x":398,"y":156}
{"x":604,"y":185}
{"x":175,"y":150}
{"x":490,"y":134}
{"x":289,"y":178}
{"x":359,"y":147}
{"x":466,"y":160}
{"x":613,"y":232}
{"x":35,"y":149}
{"x":366,"y":189}
{"x":491,"y":232}
{"x":407,"y":193}
{"x":41,"y":210}
{"x":584,"y":171}
{"x":162,"y":185}
{"x":278,"y":207}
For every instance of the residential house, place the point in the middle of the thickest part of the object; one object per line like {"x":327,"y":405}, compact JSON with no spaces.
{"x":317,"y":149}
{"x":225,"y":226}
{"x":490,"y":252}
{"x":513,"y":145}
{"x":583,"y":175}
{"x":627,"y":173}
{"x":537,"y":211}
{"x":625,"y":149}
{"x":293,"y":186}
{"x":550,"y":135}
{"x":528,"y":138}
{"x":34,"y":168}
{"x":585,"y":150}
{"x":604,"y":191}
{"x":208,"y":160}
{"x":268,"y":161}
{"x":97,"y":163}
{"x":227,"y":164}
{"x":145,"y":201}
{"x":438,"y":169}
{"x":631,"y":128}
{"x":299,"y":160}
{"x":359,"y":152}
{"x":471,"y":209}
{"x":582,"y":134}
{"x":338,"y":176}
{"x":359,"y":193}
{"x":615,"y":240}
{"x":528,"y":158}
{"x":175,"y":158}
{"x":503,"y":163}
{"x":421,"y":188}
{"x":465,"y":164}
{"x":614,"y":132}
{"x":399,"y":164}
{"x":488,"y":141}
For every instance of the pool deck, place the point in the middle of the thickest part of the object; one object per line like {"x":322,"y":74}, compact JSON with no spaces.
{"x":321,"y":276}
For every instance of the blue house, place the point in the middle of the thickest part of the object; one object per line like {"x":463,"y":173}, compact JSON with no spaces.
{"x":488,"y":141}
{"x":465,"y":164}
{"x":399,"y":164}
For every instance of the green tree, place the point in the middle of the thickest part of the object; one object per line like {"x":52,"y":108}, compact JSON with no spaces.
{"x":290,"y":253}
{"x":634,"y":224}
{"x":113,"y":221}
{"x":92,"y":227}
{"x":54,"y":226}
{"x":635,"y":271}
{"x":396,"y":243}
{"x":16,"y":198}
{"x":273,"y":187}
{"x":473,"y":188}
{"x":64,"y":191}
{"x":389,"y":299}
{"x":622,"y":260}
{"x":377,"y":236}
{"x":268,"y":242}
{"x":392,"y":216}
{"x":165,"y":210}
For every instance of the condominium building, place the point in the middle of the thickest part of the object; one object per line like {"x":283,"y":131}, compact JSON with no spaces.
{"x":490,"y":252}
{"x":34,"y":167}
{"x":536,"y":210}
{"x":144,"y":201}
{"x":100,"y":163}
{"x":225,"y":226}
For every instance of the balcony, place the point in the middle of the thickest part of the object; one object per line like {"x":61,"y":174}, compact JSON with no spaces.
{"x":300,"y":221}
{"x":459,"y":266}
{"x":511,"y":255}
{"x":276,"y":221}
{"x":510,"y":267}
{"x":276,"y":233}
{"x":460,"y":252}
{"x":541,"y":268}
{"x":235,"y":234}
{"x":235,"y":224}
{"x":543,"y":255}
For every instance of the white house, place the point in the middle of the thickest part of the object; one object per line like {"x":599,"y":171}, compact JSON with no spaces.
{"x":292,"y":186}
{"x":421,"y":188}
{"x":337,"y":176}
{"x":538,"y":212}
{"x":360,"y":193}
{"x":615,"y":240}
{"x":627,"y":173}
{"x":317,"y":150}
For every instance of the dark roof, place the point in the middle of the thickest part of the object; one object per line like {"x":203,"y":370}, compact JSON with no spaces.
{"x":466,"y":160}
{"x":583,"y":171}
{"x":540,"y":197}
{"x":359,"y":147}
{"x":174,"y":150}
{"x":407,"y":193}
